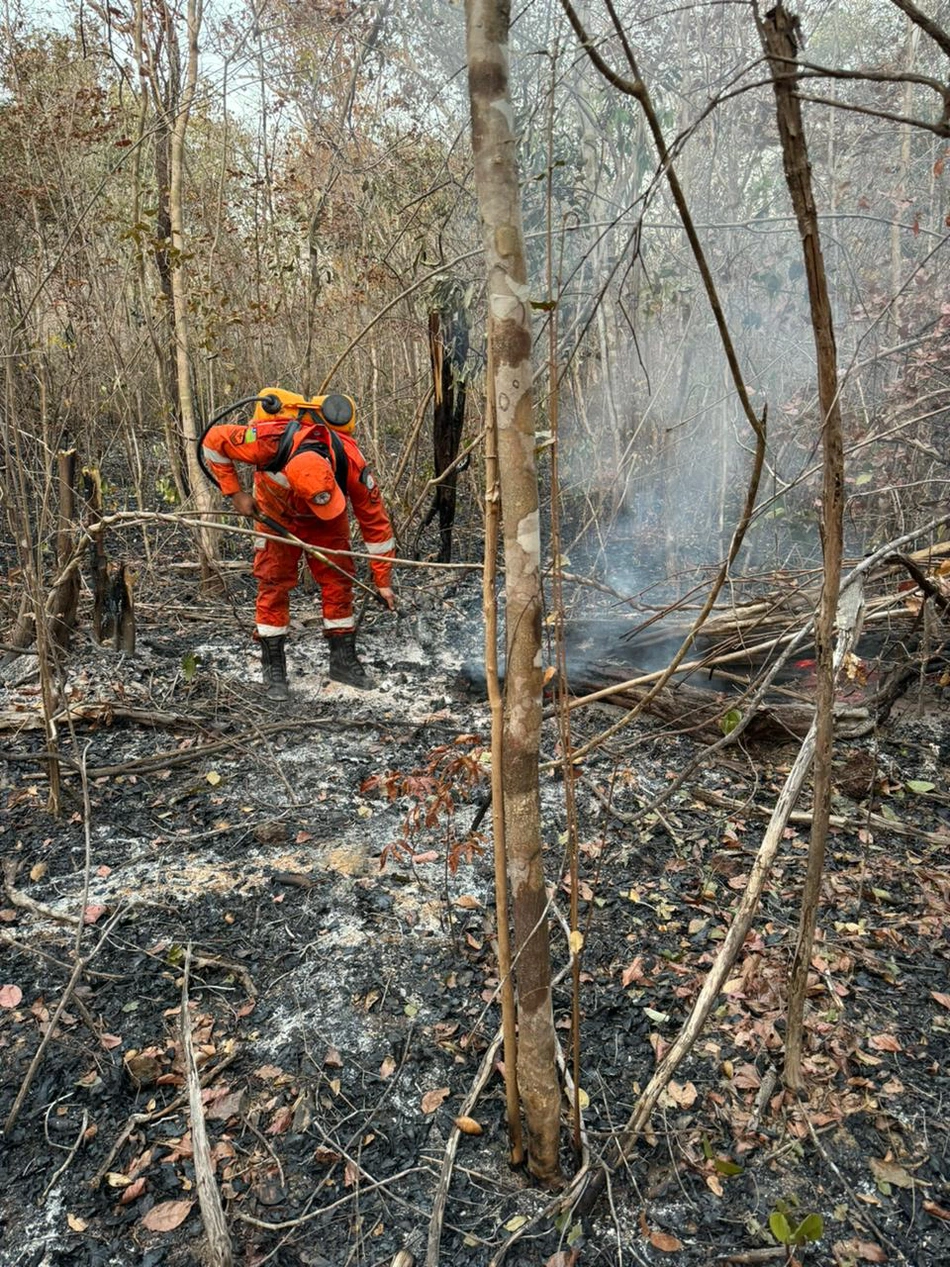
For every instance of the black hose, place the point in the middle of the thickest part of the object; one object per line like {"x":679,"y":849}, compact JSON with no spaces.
{"x":223,"y":413}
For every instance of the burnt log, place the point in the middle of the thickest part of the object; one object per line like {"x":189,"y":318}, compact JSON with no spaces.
{"x":707,"y":713}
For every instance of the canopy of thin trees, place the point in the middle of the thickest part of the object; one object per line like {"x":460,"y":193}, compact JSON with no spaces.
{"x":326,"y":187}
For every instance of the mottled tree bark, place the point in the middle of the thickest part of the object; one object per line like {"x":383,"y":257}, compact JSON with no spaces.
{"x":509,"y":333}
{"x":778,"y":31}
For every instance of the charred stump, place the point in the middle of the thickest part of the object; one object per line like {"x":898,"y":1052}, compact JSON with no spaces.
{"x":448,"y":353}
{"x":113,"y":607}
{"x":64,"y":600}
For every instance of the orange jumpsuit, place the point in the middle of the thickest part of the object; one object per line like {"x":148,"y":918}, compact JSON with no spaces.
{"x":308,"y":497}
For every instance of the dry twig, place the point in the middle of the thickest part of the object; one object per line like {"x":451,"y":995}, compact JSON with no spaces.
{"x":209,"y":1198}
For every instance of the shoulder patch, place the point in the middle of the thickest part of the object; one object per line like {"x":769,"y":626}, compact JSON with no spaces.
{"x":250,"y":435}
{"x":366,"y":478}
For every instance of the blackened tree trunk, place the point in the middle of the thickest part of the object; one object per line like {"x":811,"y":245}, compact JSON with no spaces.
{"x":448,"y":353}
{"x":64,"y":601}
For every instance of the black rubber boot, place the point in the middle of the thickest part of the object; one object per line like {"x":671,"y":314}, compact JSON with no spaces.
{"x":345,"y":663}
{"x":274,"y":665}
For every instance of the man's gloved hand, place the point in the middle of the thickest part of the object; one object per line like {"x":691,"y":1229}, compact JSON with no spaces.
{"x":243,"y":504}
{"x":388,"y":597}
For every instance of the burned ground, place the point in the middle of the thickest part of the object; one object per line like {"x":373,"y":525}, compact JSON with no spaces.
{"x":342,"y":1010}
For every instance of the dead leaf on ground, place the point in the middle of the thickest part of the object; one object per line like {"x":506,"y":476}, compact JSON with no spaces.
{"x":432,"y":1099}
{"x":167,"y":1215}
{"x":884,"y":1042}
{"x":942,"y":999}
{"x":634,"y":973}
{"x":665,"y":1241}
{"x":10,"y":995}
{"x":468,"y":1125}
{"x":855,"y":1250}
{"x":682,"y":1094}
{"x":890,"y":1172}
{"x":133,"y":1191}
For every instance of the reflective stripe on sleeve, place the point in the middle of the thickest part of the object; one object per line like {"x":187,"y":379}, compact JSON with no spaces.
{"x":277,"y":477}
{"x":212,"y":455}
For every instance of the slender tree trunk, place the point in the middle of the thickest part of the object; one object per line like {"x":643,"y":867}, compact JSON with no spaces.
{"x":778,"y":38}
{"x":509,"y":335}
{"x":199,"y":488}
{"x":156,"y":328}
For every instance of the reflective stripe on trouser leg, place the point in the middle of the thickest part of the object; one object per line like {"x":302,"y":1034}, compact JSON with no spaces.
{"x":345,"y":624}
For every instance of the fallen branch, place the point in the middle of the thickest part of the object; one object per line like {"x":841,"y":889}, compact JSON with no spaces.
{"x":451,"y":1147}
{"x":16,"y":898}
{"x":803,"y":818}
{"x":220,"y":1253}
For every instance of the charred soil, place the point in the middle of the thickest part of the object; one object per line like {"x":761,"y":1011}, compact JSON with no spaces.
{"x":318,"y":867}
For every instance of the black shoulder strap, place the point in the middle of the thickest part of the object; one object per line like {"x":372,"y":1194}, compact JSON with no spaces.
{"x":282,"y":456}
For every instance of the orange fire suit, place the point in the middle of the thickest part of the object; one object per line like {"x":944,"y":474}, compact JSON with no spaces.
{"x":308,"y":497}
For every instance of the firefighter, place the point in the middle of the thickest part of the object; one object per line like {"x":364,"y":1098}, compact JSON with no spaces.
{"x":307,"y":466}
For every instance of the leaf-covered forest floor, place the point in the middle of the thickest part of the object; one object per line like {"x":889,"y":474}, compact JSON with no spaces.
{"x":342,"y":1011}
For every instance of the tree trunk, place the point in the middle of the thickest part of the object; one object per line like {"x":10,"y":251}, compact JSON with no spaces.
{"x":199,"y":488}
{"x":778,"y":38}
{"x":509,"y":338}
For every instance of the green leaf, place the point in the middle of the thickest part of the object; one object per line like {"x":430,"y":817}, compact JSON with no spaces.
{"x":811,"y":1228}
{"x":864,"y":478}
{"x":729,"y":721}
{"x":920,"y":785}
{"x":726,"y":1167}
{"x":778,"y":1225}
{"x":189,"y":666}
